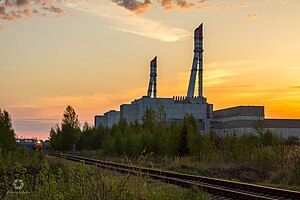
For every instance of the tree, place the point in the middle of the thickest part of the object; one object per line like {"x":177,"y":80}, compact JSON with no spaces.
{"x":149,"y":120}
{"x":183,"y":143}
{"x":70,"y":128}
{"x":7,"y":133}
{"x":70,"y":118}
{"x":54,"y":137}
{"x":233,"y":148}
{"x":63,"y":138}
{"x":90,"y":137}
{"x":250,"y":143}
{"x":187,"y":135}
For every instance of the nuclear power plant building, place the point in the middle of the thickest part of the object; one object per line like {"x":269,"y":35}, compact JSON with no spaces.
{"x":240,"y":119}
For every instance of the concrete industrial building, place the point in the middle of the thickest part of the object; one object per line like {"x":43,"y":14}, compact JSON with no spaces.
{"x":175,"y":108}
{"x":239,"y":119}
{"x":242,"y":119}
{"x":108,"y":119}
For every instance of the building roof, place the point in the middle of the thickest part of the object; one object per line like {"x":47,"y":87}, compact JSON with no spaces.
{"x":282,"y":123}
{"x":239,"y":111}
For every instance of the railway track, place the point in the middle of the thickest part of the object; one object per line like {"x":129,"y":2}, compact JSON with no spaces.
{"x":218,"y":188}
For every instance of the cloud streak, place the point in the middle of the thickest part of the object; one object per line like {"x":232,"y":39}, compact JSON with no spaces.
{"x":239,"y":5}
{"x":123,"y":20}
{"x":296,"y":87}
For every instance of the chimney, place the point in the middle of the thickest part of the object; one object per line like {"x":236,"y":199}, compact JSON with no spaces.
{"x":198,"y":60}
{"x":153,"y":75}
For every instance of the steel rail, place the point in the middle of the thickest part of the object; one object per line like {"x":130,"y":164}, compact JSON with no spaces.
{"x":219,"y":187}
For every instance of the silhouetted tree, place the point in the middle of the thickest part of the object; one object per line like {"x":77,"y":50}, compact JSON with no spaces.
{"x":7,"y":133}
{"x":63,"y":138}
{"x":70,"y":128}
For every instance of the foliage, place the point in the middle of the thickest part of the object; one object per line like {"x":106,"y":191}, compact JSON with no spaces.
{"x":64,"y":137}
{"x":54,"y":178}
{"x":7,"y":133}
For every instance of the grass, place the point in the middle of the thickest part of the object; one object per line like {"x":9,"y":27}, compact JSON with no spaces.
{"x":281,"y":176}
{"x":283,"y":186}
{"x":53,"y":178}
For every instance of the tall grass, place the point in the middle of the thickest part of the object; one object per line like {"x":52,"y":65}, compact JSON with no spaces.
{"x":52,"y":178}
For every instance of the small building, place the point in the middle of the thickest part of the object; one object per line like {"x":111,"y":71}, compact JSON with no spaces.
{"x":108,"y":119}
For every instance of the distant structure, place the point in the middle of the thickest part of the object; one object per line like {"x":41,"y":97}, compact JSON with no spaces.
{"x":174,"y":108}
{"x":153,"y":75}
{"x":197,"y":61}
{"x":243,"y":119}
{"x":108,"y":119}
{"x":240,"y":119}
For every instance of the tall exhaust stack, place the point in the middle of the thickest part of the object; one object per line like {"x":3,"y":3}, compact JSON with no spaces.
{"x":198,"y":60}
{"x":153,"y":75}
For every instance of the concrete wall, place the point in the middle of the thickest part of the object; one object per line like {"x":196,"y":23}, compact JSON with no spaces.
{"x":283,"y":131}
{"x":175,"y":109}
{"x":284,"y":127}
{"x":239,"y":113}
{"x":108,"y":119}
{"x":99,"y":119}
{"x":241,"y":119}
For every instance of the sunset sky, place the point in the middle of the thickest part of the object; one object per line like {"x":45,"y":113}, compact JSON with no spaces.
{"x":95,"y":54}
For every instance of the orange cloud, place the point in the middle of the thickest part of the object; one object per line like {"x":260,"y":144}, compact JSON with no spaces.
{"x":207,"y":7}
{"x":252,"y":17}
{"x":15,"y":10}
{"x":184,"y":4}
{"x":170,"y":4}
{"x":167,"y":4}
{"x":134,"y":5}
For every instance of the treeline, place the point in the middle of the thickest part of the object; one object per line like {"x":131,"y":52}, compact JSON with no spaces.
{"x":63,"y":136}
{"x":154,"y":135}
{"x":7,"y":133}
